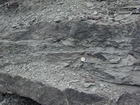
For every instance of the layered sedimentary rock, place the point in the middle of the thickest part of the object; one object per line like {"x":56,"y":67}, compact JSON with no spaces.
{"x":45,"y":63}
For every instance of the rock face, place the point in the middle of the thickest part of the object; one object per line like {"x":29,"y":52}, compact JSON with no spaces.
{"x":1,"y":98}
{"x":72,"y":62}
{"x":43,"y":63}
{"x":14,"y":99}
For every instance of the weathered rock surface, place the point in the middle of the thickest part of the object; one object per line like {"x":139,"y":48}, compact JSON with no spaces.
{"x":1,"y":98}
{"x":72,"y":62}
{"x":14,"y":99}
{"x":36,"y":63}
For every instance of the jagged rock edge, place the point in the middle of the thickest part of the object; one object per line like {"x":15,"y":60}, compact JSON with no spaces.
{"x":46,"y":95}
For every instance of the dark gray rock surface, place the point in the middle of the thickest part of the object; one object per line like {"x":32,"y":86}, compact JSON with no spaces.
{"x":1,"y":98}
{"x":44,"y":62}
{"x":72,"y":62}
{"x":14,"y":99}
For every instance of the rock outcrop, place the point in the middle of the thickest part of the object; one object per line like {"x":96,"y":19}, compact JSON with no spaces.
{"x":44,"y":63}
{"x":72,"y":63}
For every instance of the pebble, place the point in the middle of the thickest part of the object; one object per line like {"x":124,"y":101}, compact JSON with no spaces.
{"x":95,"y":12}
{"x":89,"y":4}
{"x":67,"y":42}
{"x":89,"y":80}
{"x":119,"y":17}
{"x":114,"y":60}
{"x":70,"y":18}
{"x":58,"y":19}
{"x":86,"y":85}
{"x":15,"y":25}
{"x":83,"y":59}
{"x":91,"y":21}
{"x":102,"y":85}
{"x":94,"y":89}
{"x":127,"y":15}
{"x":60,"y":3}
{"x":92,"y":17}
